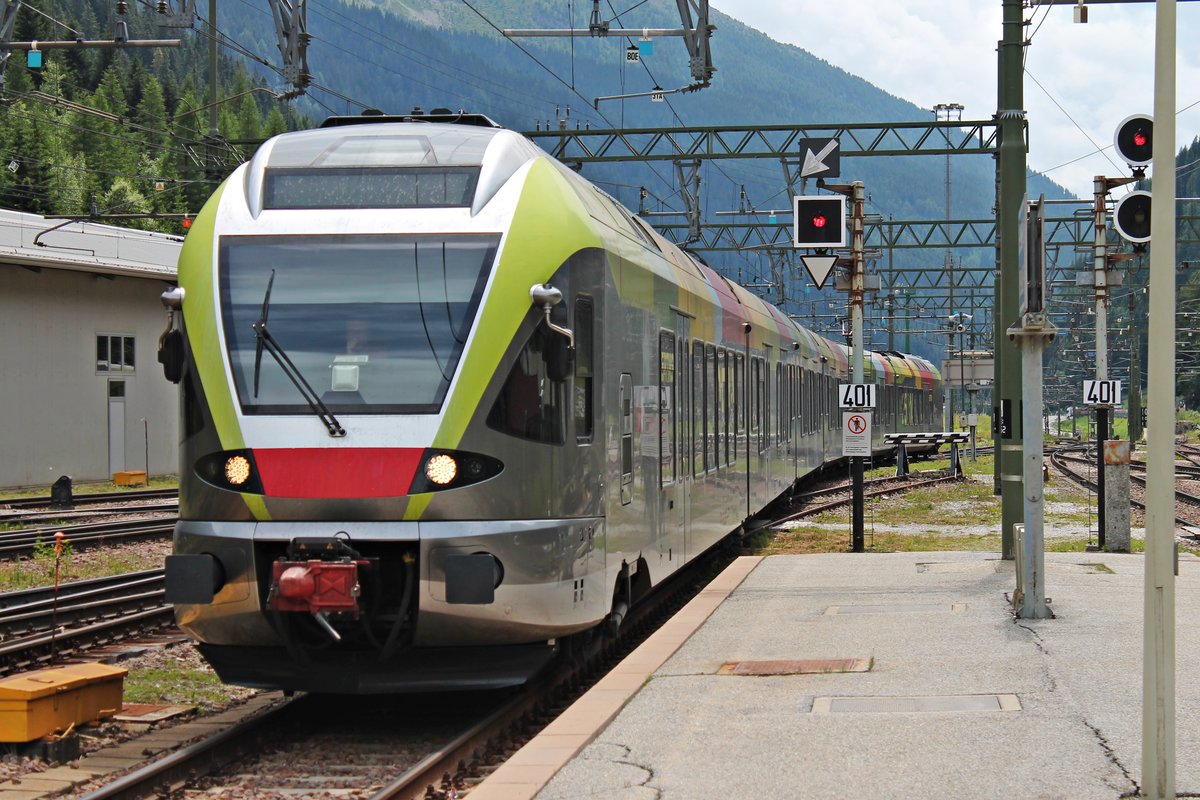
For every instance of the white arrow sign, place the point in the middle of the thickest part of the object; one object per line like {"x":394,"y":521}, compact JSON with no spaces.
{"x":819,"y":268}
{"x":815,"y":162}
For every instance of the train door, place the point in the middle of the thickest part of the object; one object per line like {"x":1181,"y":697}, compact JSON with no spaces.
{"x":679,"y":507}
{"x":625,"y":405}
{"x":673,"y":485}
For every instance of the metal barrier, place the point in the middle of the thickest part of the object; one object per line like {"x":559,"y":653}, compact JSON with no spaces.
{"x":903,"y":440}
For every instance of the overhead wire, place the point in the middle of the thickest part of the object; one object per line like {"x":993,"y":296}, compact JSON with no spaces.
{"x":557,"y":77}
{"x":424,"y":58}
{"x":58,"y":22}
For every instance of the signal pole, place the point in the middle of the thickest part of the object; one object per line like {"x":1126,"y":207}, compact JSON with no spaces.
{"x":1007,"y":391}
{"x":1158,"y":646}
{"x":857,"y":300}
{"x":1100,"y":282}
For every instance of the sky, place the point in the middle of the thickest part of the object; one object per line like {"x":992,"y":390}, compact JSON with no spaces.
{"x":1081,"y":80}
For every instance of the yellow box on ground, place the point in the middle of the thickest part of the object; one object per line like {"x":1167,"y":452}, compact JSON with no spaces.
{"x":133,"y":477}
{"x":46,"y":701}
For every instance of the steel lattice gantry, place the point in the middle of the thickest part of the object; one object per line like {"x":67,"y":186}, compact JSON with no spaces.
{"x":598,"y":145}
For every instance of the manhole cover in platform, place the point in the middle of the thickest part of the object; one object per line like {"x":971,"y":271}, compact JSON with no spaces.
{"x":897,"y":608}
{"x":901,"y":705}
{"x":810,"y":666}
{"x":991,"y":565}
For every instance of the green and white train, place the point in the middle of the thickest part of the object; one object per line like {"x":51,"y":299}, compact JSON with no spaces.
{"x":446,"y":404}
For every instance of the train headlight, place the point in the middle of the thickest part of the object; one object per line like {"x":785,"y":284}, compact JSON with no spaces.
{"x":447,"y":470}
{"x":237,"y":470}
{"x":441,"y":469}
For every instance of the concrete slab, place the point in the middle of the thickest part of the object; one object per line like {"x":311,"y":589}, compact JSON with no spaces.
{"x":964,"y":701}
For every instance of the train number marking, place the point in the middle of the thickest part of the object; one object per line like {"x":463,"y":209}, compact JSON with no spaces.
{"x":1102,"y":393}
{"x":856,"y":395}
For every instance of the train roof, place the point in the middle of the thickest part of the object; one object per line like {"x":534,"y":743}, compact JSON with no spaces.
{"x":444,"y":115}
{"x":303,"y":159}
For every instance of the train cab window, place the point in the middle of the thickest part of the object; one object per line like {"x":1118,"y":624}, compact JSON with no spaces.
{"x":375,"y":323}
{"x":584,"y":369}
{"x":532,"y":402}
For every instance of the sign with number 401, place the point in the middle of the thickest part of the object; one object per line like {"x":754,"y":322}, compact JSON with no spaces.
{"x":1102,"y":393}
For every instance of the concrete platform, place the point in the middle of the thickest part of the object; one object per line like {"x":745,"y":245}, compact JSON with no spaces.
{"x":960,"y":699}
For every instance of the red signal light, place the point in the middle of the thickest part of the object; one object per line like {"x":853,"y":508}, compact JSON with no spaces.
{"x":819,"y":221}
{"x":187,"y":223}
{"x":1139,"y":139}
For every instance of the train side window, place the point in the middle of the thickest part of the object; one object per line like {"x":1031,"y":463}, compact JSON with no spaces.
{"x":683,"y":394}
{"x":725,"y":396}
{"x":755,"y":399}
{"x":666,"y":411}
{"x":764,"y":439}
{"x":712,"y":408}
{"x":531,"y":404}
{"x":584,"y":369}
{"x":780,"y":405}
{"x":738,"y":404}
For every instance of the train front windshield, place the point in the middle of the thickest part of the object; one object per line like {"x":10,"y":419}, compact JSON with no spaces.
{"x":374,"y":324}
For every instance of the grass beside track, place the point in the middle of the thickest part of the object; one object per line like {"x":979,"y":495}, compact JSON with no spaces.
{"x":952,"y":516}
{"x":92,"y":487}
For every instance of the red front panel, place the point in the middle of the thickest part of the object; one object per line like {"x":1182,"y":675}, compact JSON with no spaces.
{"x":337,"y":472}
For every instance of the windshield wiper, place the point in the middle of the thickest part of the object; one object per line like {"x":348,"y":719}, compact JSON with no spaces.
{"x":267,"y":341}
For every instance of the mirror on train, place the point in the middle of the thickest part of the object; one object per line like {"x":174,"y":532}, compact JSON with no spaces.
{"x":170,"y":354}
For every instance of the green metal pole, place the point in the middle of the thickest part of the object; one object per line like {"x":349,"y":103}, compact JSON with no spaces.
{"x":1011,"y":118}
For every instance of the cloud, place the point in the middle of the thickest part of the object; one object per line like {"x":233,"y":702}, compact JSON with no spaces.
{"x":1082,"y":79}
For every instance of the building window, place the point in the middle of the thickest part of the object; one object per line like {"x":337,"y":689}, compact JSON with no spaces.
{"x":114,"y":353}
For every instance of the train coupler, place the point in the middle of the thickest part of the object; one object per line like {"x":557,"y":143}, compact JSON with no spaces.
{"x":315,"y":587}
{"x":319,"y":576}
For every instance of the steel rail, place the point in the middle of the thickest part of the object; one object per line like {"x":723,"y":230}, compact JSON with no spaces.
{"x":22,"y":600}
{"x":37,"y":650}
{"x":160,"y":777}
{"x":91,"y":499}
{"x":24,"y":542}
{"x":66,"y":516}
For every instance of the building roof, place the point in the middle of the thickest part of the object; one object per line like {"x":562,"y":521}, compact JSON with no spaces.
{"x":30,"y":240}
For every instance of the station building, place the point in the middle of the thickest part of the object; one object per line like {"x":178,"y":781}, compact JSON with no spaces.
{"x":82,"y":392}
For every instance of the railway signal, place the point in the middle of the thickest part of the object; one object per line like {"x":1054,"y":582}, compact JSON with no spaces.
{"x":1132,"y":217}
{"x":819,"y":221}
{"x":1134,"y":140}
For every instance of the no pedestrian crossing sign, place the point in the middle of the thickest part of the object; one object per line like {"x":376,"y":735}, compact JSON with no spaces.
{"x":856,"y":433}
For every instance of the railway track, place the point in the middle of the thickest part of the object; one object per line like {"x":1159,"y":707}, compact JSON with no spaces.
{"x":54,"y":517}
{"x":410,"y":747}
{"x":95,"y":498}
{"x":841,"y":495}
{"x":40,"y":626}
{"x":26,"y":541}
{"x":1061,"y":459}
